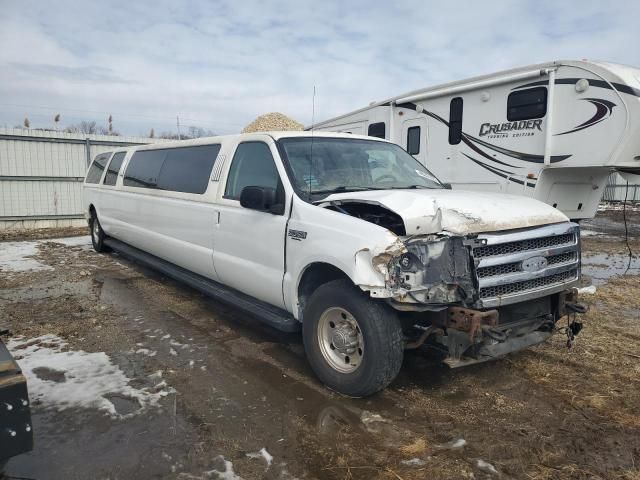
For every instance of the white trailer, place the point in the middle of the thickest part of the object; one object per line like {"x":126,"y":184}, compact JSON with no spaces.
{"x":552,"y":131}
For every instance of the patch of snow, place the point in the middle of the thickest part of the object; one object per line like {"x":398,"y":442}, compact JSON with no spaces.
{"x":173,"y":352}
{"x":164,"y":337}
{"x":590,"y":233}
{"x":368,"y":417}
{"x":414,"y":462}
{"x":146,"y":351}
{"x":486,"y":466}
{"x":590,"y":290}
{"x":454,"y":444}
{"x":90,"y":378}
{"x":82,"y":241}
{"x":16,"y":257}
{"x":227,"y":473}
{"x":262,"y":453}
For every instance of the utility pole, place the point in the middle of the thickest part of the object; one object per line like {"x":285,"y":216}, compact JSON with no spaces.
{"x":178,"y":123}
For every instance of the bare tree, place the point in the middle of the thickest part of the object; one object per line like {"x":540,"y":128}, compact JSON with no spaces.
{"x":152,"y":133}
{"x":199,"y":132}
{"x":26,"y":123}
{"x":83,"y":127}
{"x":56,"y":120}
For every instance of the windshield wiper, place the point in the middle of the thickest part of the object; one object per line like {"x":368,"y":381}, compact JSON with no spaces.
{"x":407,"y":187}
{"x":343,"y":188}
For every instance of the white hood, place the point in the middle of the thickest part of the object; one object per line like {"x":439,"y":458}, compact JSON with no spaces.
{"x":456,"y":211}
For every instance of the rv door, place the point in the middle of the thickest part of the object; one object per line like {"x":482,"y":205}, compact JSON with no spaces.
{"x":414,"y":138}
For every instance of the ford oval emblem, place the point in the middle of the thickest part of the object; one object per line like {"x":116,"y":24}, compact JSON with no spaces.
{"x":534,"y":264}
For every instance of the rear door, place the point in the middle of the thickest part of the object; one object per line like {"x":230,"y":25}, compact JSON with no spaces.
{"x":249,"y":244}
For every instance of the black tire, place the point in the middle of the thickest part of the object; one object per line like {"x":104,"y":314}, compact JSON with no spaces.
{"x":379,"y":327}
{"x":97,"y":234}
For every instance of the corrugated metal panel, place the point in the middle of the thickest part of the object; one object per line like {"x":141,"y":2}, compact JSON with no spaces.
{"x":41,"y":171}
{"x":617,"y":189}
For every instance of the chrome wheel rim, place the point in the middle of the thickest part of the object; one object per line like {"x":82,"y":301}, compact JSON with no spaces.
{"x":340,"y":340}
{"x":95,"y":231}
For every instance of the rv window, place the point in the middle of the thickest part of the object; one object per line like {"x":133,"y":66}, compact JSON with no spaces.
{"x":252,"y":165}
{"x":455,"y":121}
{"x":413,"y":140}
{"x":144,"y":168}
{"x":113,"y":169}
{"x":377,"y":130}
{"x":527,"y":104}
{"x":97,"y":167}
{"x":188,"y":169}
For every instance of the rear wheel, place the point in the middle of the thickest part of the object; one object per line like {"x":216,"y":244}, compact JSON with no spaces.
{"x":97,"y":234}
{"x":354,"y":345}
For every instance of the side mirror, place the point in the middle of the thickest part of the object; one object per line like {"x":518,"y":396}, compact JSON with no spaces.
{"x":260,"y":198}
{"x":446,"y":186}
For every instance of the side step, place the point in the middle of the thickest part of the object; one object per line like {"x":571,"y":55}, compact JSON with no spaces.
{"x":272,"y":316}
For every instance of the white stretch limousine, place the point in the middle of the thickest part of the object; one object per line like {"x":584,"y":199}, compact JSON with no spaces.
{"x":349,"y":237}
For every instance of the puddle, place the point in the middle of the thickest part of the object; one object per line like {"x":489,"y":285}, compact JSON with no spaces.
{"x":49,"y":374}
{"x":603,"y":266}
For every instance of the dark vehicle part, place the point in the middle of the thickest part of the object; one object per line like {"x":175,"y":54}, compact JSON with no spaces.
{"x":343,"y":324}
{"x":16,"y":435}
{"x":372,"y":213}
{"x":97,"y":234}
{"x":472,"y":336}
{"x":272,"y":316}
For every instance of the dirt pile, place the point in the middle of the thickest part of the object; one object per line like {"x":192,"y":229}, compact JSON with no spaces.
{"x":272,"y":122}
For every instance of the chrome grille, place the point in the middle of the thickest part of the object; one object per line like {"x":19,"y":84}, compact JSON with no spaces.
{"x":494,"y":270}
{"x":526,"y":263}
{"x":512,"y":288}
{"x":523,"y":245}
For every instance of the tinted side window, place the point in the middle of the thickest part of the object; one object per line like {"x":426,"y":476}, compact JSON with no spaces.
{"x":113,"y":168}
{"x":455,"y":121}
{"x":144,"y":168}
{"x":413,"y":140}
{"x":253,"y":166}
{"x":527,"y":104}
{"x":97,"y":167}
{"x":377,"y":130}
{"x":188,"y":169}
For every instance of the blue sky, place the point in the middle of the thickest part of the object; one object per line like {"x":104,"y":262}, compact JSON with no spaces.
{"x":219,"y":64}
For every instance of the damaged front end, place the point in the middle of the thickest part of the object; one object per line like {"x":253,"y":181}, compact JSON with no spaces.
{"x":435,"y":271}
{"x":483,"y":296}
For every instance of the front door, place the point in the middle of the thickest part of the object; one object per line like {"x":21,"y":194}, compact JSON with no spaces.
{"x":249,"y":244}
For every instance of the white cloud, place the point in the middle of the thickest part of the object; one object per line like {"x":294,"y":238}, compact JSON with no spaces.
{"x":221,"y":64}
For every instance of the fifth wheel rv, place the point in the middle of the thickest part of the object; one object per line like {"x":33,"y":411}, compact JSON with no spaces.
{"x":552,"y":131}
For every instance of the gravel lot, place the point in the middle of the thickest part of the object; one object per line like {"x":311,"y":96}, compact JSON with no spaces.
{"x":132,"y":375}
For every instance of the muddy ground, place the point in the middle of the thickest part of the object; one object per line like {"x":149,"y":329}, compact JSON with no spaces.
{"x":195,"y":389}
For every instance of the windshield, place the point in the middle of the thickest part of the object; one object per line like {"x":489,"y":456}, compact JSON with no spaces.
{"x":345,"y":164}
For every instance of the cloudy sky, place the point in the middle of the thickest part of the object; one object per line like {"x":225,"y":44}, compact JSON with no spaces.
{"x":219,"y":64}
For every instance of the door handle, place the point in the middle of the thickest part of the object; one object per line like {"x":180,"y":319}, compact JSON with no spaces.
{"x":217,"y":216}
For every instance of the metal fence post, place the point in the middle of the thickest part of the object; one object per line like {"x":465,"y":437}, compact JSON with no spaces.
{"x":87,"y":147}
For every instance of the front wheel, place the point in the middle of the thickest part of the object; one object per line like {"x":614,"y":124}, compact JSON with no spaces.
{"x":97,"y":234}
{"x":354,"y":345}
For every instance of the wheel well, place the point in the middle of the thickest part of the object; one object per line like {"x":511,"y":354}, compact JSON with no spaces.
{"x":314,"y":276}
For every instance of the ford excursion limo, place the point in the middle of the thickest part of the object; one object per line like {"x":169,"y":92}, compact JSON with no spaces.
{"x":348,"y":238}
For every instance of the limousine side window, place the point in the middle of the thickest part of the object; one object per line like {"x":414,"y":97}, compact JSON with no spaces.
{"x":144,"y":168}
{"x":252,"y":165}
{"x":113,"y":168}
{"x":184,"y":169}
{"x":97,"y":167}
{"x":188,"y":169}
